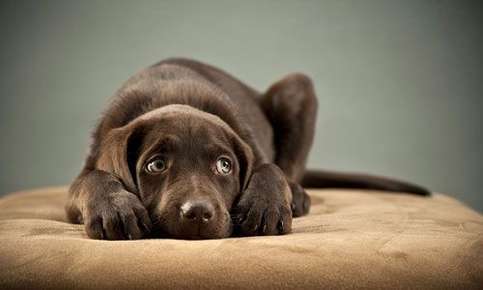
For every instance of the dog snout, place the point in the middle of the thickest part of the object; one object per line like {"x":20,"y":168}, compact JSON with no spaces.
{"x":197,"y":211}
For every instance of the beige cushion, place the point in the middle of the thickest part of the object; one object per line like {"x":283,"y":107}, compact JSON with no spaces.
{"x":350,"y":239}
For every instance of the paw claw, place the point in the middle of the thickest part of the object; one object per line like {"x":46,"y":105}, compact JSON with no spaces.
{"x":264,"y":229}
{"x":281,"y":226}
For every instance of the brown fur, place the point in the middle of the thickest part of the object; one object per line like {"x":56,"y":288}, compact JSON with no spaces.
{"x":189,"y":115}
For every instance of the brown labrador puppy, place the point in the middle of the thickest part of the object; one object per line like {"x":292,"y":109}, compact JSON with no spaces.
{"x":187,"y":151}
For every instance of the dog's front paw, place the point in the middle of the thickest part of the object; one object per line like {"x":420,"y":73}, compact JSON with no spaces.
{"x":119,"y":216}
{"x":262,"y":214}
{"x":300,"y":200}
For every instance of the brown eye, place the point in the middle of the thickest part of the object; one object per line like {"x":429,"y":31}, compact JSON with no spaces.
{"x":155,"y":166}
{"x":223,"y":166}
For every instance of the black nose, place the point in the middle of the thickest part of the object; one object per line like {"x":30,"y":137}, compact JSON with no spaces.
{"x":197,"y":211}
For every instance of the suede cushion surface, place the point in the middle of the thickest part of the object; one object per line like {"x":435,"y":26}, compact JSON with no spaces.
{"x":351,"y":239}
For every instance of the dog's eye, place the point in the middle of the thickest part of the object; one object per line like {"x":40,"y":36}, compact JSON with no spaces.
{"x":223,"y":165}
{"x":157,"y":165}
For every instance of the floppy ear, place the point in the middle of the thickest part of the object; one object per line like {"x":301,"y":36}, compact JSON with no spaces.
{"x":118,"y":154}
{"x":245,"y":158}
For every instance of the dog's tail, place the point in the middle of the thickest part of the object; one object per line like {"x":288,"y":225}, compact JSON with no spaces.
{"x":333,"y":179}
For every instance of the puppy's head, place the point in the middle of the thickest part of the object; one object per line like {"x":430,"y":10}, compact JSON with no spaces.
{"x":187,"y":167}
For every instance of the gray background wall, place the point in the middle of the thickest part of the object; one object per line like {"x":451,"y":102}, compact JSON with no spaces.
{"x":399,"y":82}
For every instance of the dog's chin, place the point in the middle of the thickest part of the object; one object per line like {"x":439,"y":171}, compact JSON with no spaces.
{"x":166,"y":234}
{"x":170,"y":230}
{"x":201,"y":236}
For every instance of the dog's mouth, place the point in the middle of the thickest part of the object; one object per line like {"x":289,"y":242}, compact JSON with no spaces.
{"x":171,"y":228}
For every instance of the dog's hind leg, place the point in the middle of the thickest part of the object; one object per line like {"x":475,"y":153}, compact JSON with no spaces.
{"x":291,"y":106}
